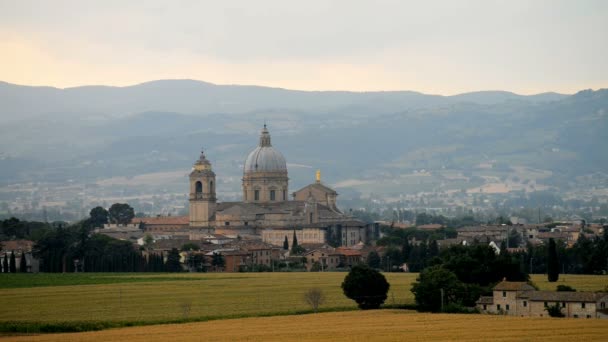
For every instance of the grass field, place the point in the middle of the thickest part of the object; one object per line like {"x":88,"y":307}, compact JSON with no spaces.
{"x":152,"y":298}
{"x":375,"y":325}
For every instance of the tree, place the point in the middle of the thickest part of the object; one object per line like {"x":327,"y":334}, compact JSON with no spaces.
{"x":191,"y":246}
{"x":429,"y":286}
{"x":22,"y":263}
{"x":218,"y":261}
{"x":5,"y":263}
{"x":286,"y":244}
{"x":148,"y":241}
{"x":552,"y":262}
{"x":98,"y":216}
{"x":13,"y":263}
{"x":365,"y":286}
{"x":554,"y":310}
{"x":121,"y":213}
{"x":173,"y":264}
{"x":565,"y":288}
{"x":314,"y":297}
{"x":295,"y":248}
{"x":373,"y":259}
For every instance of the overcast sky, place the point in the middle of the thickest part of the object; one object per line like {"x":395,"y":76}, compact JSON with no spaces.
{"x":441,"y":47}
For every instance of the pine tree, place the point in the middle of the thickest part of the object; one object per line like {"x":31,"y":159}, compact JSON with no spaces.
{"x":294,"y":244}
{"x":5,"y":264}
{"x":22,"y":264}
{"x":286,"y":244}
{"x":13,"y":263}
{"x":552,"y":262}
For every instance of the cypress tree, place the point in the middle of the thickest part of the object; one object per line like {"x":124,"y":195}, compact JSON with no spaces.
{"x":286,"y":244}
{"x":22,"y":263}
{"x":13,"y":264}
{"x":552,"y":262}
{"x":294,"y":244}
{"x":5,"y":264}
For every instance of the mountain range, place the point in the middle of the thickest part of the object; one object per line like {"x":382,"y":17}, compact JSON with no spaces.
{"x":92,"y":132}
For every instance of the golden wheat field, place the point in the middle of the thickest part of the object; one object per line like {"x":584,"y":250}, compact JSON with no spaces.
{"x":206,"y":295}
{"x":375,"y":325}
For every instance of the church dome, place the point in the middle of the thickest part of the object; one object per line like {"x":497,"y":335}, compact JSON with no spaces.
{"x":265,"y":158}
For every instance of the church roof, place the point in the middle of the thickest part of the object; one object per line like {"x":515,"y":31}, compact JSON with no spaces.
{"x":319,"y":186}
{"x":265,"y":158}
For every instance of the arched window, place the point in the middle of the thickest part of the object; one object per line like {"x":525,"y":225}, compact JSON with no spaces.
{"x":272,"y":195}
{"x":199,"y":187}
{"x":256,"y":195}
{"x":211,"y":186}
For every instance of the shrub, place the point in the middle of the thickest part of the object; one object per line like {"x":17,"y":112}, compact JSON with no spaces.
{"x":554,"y":310}
{"x":565,"y":288}
{"x":365,"y":286}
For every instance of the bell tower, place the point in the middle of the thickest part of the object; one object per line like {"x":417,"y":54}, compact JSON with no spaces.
{"x":202,"y":193}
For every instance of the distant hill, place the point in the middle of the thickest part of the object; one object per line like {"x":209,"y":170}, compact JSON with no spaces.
{"x":196,"y":97}
{"x":86,"y":133}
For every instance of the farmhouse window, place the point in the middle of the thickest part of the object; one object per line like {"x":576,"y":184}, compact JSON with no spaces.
{"x":507,"y":307}
{"x":563,"y":304}
{"x":546,"y":304}
{"x":485,"y":307}
{"x":582,"y":305}
{"x":498,"y":307}
{"x":603,"y":305}
{"x":504,"y":293}
{"x":525,"y":303}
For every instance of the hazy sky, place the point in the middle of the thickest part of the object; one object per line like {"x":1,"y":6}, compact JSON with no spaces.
{"x":443,"y":47}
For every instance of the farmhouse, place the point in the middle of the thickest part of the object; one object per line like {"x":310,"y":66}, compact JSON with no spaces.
{"x":521,"y":299}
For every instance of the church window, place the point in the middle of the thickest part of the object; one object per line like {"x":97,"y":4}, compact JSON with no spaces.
{"x":211,"y":186}
{"x":256,"y":195}
{"x":199,"y":187}
{"x":272,"y":195}
{"x":310,"y":217}
{"x":246,"y":223}
{"x":284,"y":195}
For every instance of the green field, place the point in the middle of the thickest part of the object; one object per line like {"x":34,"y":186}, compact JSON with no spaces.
{"x":149,"y":298}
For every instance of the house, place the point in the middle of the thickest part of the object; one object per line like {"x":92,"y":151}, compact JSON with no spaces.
{"x":328,"y":259}
{"x":521,"y":299}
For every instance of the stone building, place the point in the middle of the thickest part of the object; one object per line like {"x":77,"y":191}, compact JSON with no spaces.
{"x":521,"y":299}
{"x":266,"y":211}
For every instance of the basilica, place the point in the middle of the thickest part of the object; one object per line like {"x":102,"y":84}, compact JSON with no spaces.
{"x":266,"y":211}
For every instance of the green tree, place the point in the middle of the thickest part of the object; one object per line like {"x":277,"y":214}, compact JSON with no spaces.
{"x":565,"y":288}
{"x":22,"y":263}
{"x":98,"y":216}
{"x":296,"y":249}
{"x":148,"y":241}
{"x":121,"y":213}
{"x":365,"y":286}
{"x":13,"y":263}
{"x":552,"y":262}
{"x":5,"y":264}
{"x":191,"y":246}
{"x":218,"y":261}
{"x":554,"y":310}
{"x":286,"y":244}
{"x":429,"y":285}
{"x":373,"y":259}
{"x":173,"y":264}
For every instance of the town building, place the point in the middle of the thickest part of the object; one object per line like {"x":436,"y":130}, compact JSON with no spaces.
{"x":521,"y":299}
{"x":265,"y":211}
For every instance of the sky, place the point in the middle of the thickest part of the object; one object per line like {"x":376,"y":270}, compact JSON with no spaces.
{"x":438,"y":47}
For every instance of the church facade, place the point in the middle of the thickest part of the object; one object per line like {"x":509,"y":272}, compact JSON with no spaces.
{"x":266,"y":211}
